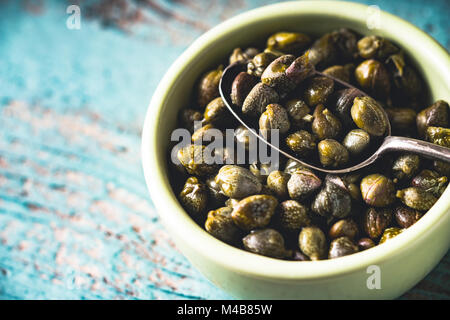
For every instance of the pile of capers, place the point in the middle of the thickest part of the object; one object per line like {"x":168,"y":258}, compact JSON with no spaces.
{"x":294,"y":213}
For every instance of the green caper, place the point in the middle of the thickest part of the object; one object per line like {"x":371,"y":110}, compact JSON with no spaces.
{"x":239,"y":55}
{"x":275,"y":117}
{"x":277,"y":182}
{"x":259,"y":63}
{"x":325,"y":124}
{"x":323,"y":52}
{"x":298,"y":112}
{"x":208,"y":87}
{"x":332,"y":153}
{"x":291,"y":166}
{"x":188,"y":117}
{"x":365,"y":243}
{"x":436,"y":115}
{"x":258,"y":98}
{"x":438,"y":135}
{"x":343,"y":73}
{"x":430,"y":181}
{"x":390,"y":233}
{"x":194,"y":197}
{"x":369,"y":116}
{"x":356,"y":141}
{"x":194,"y":158}
{"x":293,"y":216}
{"x":405,"y":166}
{"x":405,"y":216}
{"x":317,"y":91}
{"x":231,"y":202}
{"x":215,"y":194}
{"x":377,"y":190}
{"x":344,"y":228}
{"x":275,"y":77}
{"x":375,"y":47}
{"x":401,"y":119}
{"x":301,"y":142}
{"x":312,"y":242}
{"x":417,"y":198}
{"x":302,"y":184}
{"x":372,"y":76}
{"x":340,"y":247}
{"x":216,"y":112}
{"x":203,"y":134}
{"x":266,"y":242}
{"x":237,"y":182}
{"x":220,"y":224}
{"x":241,"y":87}
{"x":254,"y":211}
{"x":288,"y":42}
{"x":260,"y":170}
{"x":333,"y":200}
{"x":375,"y":221}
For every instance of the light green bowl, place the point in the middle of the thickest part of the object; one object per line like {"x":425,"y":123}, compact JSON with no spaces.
{"x":402,"y":262}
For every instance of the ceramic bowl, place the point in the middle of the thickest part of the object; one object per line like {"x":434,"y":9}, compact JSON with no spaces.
{"x":383,"y":272}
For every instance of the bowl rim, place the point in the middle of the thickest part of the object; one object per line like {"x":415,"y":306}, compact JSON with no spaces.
{"x":210,"y":248}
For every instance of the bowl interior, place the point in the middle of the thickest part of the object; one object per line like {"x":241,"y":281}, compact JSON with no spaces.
{"x":313,"y":18}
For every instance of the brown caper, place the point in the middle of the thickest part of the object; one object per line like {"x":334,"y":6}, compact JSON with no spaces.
{"x":405,"y":216}
{"x":194,"y":197}
{"x":356,"y":141}
{"x":208,"y":87}
{"x":373,"y":77}
{"x":237,"y":182}
{"x":293,"y":216}
{"x":188,"y":117}
{"x":302,"y":184}
{"x":299,"y":256}
{"x":375,"y":47}
{"x":254,"y":211}
{"x":301,"y":142}
{"x":194,"y":158}
{"x":288,"y":42}
{"x":430,"y":181}
{"x":325,"y":124}
{"x":312,"y":242}
{"x":377,"y":190}
{"x":436,"y":115}
{"x":258,"y":98}
{"x":343,"y":101}
{"x":317,"y":91}
{"x":333,"y":200}
{"x":332,"y":153}
{"x":375,"y":221}
{"x":298,"y":112}
{"x":417,"y":198}
{"x":390,"y":233}
{"x":438,"y":135}
{"x":300,"y":69}
{"x":365,"y":243}
{"x":216,"y":196}
{"x":401,"y":119}
{"x":259,"y":63}
{"x":275,"y":117}
{"x":220,"y":224}
{"x":275,"y":77}
{"x":343,"y":73}
{"x":369,"y":116}
{"x":344,"y":228}
{"x":266,"y":242}
{"x":405,"y":166}
{"x":241,"y":87}
{"x":340,"y":247}
{"x":277,"y":182}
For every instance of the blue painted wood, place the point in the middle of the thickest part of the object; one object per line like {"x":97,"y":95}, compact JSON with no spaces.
{"x":75,"y":218}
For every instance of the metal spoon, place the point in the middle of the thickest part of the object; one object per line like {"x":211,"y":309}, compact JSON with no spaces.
{"x":389,"y":144}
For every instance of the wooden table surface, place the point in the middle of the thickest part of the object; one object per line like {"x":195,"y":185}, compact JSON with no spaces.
{"x":76,"y":221}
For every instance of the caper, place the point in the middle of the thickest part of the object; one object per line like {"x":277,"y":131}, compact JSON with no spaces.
{"x":312,"y":242}
{"x":216,"y":195}
{"x":356,"y":141}
{"x":346,"y":44}
{"x":239,"y":55}
{"x":390,"y":233}
{"x":288,"y":42}
{"x":275,"y":117}
{"x":266,"y":242}
{"x":365,"y":243}
{"x":344,"y":228}
{"x":299,"y":256}
{"x":231,"y":202}
{"x":405,"y":166}
{"x":243,"y":136}
{"x":254,"y":211}
{"x":259,"y":63}
{"x":275,"y":77}
{"x":401,"y":119}
{"x":302,"y":184}
{"x":208,"y":87}
{"x":375,"y":47}
{"x":300,"y":69}
{"x":430,"y":181}
{"x":194,"y":197}
{"x":343,"y":73}
{"x":442,"y":167}
{"x":344,"y":102}
{"x":291,"y":166}
{"x":237,"y":182}
{"x":375,"y":221}
{"x":298,"y":112}
{"x":301,"y":142}
{"x":220,"y":224}
{"x":333,"y":200}
{"x":436,"y":115}
{"x":377,"y":190}
{"x":317,"y":90}
{"x":369,"y":116}
{"x":258,"y":98}
{"x":194,"y":158}
{"x":405,"y":216}
{"x":204,"y":134}
{"x":438,"y":135}
{"x":260,"y":170}
{"x":417,"y":198}
{"x":293,"y":216}
{"x":340,"y":247}
{"x":373,"y":77}
{"x":277,"y":182}
{"x":241,"y":87}
{"x":325,"y":124}
{"x":216,"y":112}
{"x":332,"y":153}
{"x":323,"y":52}
{"x":188,"y":117}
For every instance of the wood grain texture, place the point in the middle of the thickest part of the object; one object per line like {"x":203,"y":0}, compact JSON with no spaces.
{"x":76,"y":221}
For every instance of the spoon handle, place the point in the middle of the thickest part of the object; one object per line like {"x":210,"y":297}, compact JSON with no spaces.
{"x":422,"y":148}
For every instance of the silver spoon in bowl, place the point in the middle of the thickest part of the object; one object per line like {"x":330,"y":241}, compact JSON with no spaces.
{"x":389,"y":144}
